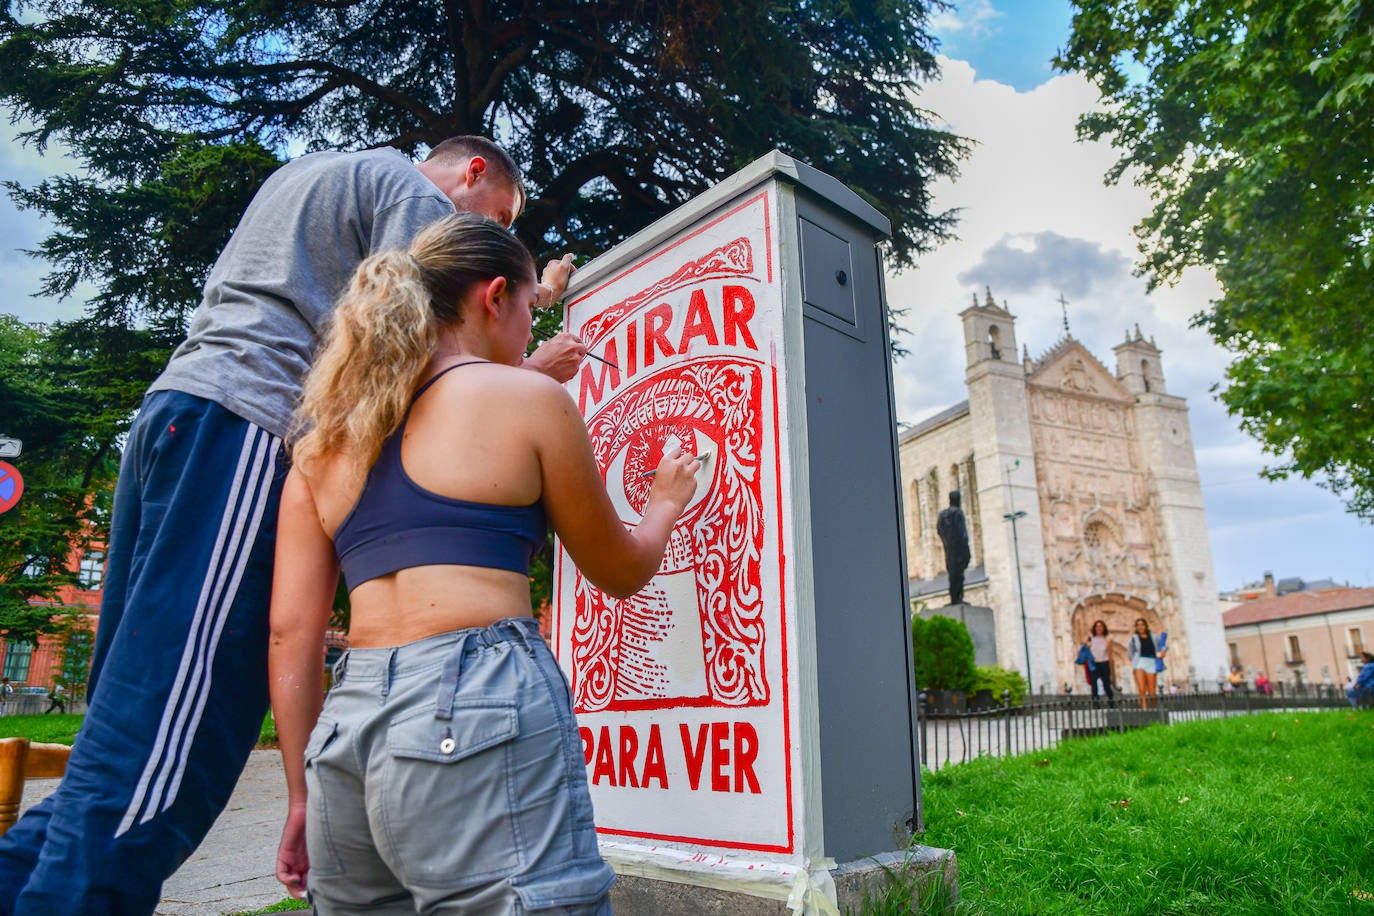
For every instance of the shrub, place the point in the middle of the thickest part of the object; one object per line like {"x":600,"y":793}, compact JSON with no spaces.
{"x":996,"y":679}
{"x":942,"y":653}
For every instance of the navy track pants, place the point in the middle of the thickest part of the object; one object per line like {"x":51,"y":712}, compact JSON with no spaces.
{"x":178,"y":684}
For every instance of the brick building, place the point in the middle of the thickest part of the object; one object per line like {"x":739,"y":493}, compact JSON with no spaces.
{"x":37,"y":666}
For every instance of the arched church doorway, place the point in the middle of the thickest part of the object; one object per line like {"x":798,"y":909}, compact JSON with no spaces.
{"x":1119,"y":612}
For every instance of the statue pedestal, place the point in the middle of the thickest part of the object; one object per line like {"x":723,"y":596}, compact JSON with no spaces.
{"x":981,"y":626}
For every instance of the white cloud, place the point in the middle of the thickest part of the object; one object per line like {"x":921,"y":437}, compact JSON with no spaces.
{"x":1030,"y":262}
{"x":976,"y":18}
{"x":23,"y":231}
{"x":1035,"y":221}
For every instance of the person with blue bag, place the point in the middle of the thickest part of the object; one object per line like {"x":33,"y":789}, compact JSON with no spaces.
{"x":1094,"y":655}
{"x":1361,"y":693}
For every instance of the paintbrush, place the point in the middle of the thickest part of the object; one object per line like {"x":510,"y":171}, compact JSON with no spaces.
{"x":541,"y":338}
{"x":702,"y":457}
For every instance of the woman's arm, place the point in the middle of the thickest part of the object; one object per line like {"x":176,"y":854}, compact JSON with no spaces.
{"x":617,"y":560}
{"x":303,"y":587}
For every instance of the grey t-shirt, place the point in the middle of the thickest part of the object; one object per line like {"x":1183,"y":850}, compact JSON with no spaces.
{"x":274,"y":285}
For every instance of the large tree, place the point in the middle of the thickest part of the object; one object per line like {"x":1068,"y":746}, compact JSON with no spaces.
{"x":618,"y":110}
{"x":1253,"y":125}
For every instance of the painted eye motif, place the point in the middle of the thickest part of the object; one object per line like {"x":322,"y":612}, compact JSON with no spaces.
{"x":628,"y":475}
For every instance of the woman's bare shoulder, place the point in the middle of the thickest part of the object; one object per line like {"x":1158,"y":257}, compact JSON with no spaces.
{"x":329,"y":485}
{"x":532,"y":389}
{"x":486,"y":375}
{"x":493,"y":393}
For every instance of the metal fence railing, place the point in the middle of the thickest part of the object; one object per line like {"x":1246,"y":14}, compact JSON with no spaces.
{"x":1042,"y":721}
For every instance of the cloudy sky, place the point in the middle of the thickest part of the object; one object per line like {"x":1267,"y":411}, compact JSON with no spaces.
{"x":1037,"y":222}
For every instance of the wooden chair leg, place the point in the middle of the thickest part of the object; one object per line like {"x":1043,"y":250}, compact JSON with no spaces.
{"x":13,"y":754}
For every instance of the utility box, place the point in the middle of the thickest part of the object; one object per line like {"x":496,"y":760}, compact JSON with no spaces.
{"x":748,"y":719}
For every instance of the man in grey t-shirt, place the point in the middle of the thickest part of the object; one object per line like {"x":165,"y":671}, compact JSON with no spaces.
{"x":178,"y":684}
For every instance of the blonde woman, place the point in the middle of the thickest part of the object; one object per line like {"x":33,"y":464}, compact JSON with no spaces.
{"x":444,"y":773}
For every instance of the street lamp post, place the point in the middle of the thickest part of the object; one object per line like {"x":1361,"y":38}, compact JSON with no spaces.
{"x":1020,"y":592}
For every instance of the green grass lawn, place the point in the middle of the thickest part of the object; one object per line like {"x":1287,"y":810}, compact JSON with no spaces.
{"x":58,"y":728}
{"x":268,"y":736}
{"x":1251,"y":814}
{"x":62,"y":729}
{"x":285,"y":905}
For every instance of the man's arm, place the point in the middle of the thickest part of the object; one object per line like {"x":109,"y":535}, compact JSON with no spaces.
{"x":558,"y":357}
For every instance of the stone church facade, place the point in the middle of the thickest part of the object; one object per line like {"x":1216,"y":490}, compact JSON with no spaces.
{"x":1102,"y":466}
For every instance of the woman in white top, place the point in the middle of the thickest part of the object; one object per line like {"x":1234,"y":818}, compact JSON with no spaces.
{"x":1100,"y":664}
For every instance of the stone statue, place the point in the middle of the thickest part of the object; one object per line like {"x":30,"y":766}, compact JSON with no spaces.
{"x":953,"y":531}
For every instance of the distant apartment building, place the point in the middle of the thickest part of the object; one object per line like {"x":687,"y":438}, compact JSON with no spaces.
{"x":1305,"y":636}
{"x":1269,"y":587}
{"x":39,"y":665}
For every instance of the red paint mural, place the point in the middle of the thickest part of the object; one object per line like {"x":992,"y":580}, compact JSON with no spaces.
{"x":682,"y":690}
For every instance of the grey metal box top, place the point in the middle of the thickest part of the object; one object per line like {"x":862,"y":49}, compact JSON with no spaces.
{"x":776,"y":164}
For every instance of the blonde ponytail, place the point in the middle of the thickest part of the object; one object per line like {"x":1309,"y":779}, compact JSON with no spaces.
{"x":383,"y":332}
{"x":373,"y":352}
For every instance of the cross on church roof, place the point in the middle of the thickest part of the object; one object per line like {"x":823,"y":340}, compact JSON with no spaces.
{"x":1064,"y":306}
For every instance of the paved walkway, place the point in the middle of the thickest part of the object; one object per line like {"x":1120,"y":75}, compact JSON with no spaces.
{"x":232,"y":871}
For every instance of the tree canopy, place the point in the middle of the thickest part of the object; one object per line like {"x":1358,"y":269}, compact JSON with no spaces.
{"x":1253,"y":124}
{"x":52,"y":396}
{"x":618,"y":111}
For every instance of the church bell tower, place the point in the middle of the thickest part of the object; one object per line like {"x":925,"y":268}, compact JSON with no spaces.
{"x":1167,"y":456}
{"x":999,"y":410}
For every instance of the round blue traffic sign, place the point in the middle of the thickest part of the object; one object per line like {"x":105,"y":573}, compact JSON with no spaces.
{"x":11,"y":486}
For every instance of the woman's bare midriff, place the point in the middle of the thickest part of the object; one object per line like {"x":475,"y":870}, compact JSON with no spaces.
{"x":425,"y":601}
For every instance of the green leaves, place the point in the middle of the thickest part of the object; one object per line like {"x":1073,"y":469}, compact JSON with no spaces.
{"x":942,"y":656}
{"x":1252,"y":124}
{"x":619,"y":111}
{"x":68,"y":463}
{"x":147,"y":243}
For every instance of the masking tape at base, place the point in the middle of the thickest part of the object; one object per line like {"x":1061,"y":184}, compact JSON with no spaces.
{"x":807,"y":891}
